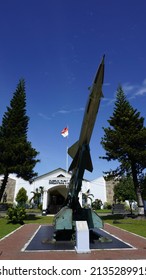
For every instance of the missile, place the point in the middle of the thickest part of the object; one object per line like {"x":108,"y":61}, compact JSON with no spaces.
{"x":80,"y":151}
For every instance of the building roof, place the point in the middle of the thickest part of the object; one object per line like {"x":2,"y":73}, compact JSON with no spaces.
{"x":60,"y":170}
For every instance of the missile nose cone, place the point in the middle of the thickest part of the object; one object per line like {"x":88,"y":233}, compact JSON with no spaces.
{"x":102,"y":62}
{"x":100,"y":72}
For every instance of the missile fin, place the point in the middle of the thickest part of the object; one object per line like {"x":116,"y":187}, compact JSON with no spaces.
{"x":72,"y":151}
{"x":74,"y":162}
{"x":88,"y":161}
{"x":85,"y":159}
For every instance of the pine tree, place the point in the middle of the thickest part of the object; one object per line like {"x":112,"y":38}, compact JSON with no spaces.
{"x":125,"y":140}
{"x":124,"y":189}
{"x":21,"y":197}
{"x":16,"y":152}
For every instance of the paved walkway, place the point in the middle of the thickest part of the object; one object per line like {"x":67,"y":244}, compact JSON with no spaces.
{"x":11,"y":247}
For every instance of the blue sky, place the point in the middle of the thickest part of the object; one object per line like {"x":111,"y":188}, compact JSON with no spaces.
{"x":56,"y":46}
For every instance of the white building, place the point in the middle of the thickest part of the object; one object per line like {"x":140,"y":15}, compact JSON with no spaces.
{"x":55,"y":184}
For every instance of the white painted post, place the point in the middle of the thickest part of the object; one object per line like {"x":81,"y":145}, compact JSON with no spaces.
{"x":45,"y":202}
{"x":82,"y":237}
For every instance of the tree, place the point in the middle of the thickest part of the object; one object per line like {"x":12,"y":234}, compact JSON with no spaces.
{"x":143,"y":186}
{"x":16,"y":152}
{"x":124,"y":190}
{"x":96,"y":204}
{"x":37,"y":195}
{"x":86,"y":197}
{"x":21,"y":197}
{"x":125,"y":140}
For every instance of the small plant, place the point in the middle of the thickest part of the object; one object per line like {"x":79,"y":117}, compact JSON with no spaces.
{"x":86,"y":197}
{"x":16,"y":215}
{"x":37,"y":197}
{"x":107,"y":205}
{"x":96,"y":205}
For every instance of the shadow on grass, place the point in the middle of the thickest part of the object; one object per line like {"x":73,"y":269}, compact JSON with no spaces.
{"x":113,"y":217}
{"x":32,"y":217}
{"x":118,"y":216}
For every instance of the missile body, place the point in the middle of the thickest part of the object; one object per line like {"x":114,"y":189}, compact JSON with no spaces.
{"x":80,"y":152}
{"x":81,"y":147}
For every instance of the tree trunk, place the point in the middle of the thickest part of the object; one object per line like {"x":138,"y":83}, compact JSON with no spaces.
{"x":3,"y":185}
{"x":137,"y":190}
{"x":140,"y":202}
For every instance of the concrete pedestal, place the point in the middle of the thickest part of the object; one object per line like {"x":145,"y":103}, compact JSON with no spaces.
{"x":82,"y":237}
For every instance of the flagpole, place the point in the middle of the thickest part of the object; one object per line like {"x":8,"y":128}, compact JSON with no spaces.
{"x":65,"y":133}
{"x":67,"y":153}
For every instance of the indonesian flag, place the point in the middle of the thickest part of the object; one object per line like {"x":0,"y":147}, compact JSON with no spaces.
{"x":64,"y":132}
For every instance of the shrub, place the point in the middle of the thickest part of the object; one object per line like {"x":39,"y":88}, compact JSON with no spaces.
{"x":21,"y":197}
{"x":96,"y":205}
{"x":16,"y":215}
{"x":107,"y":205}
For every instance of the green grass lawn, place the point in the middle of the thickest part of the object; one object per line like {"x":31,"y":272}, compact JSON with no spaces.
{"x":103,"y":211}
{"x":6,"y":228}
{"x":39,"y":219}
{"x":132,"y":225}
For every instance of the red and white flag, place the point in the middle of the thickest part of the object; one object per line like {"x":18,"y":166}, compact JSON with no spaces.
{"x":64,"y":132}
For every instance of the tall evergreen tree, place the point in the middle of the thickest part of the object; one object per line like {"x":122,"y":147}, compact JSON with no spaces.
{"x":124,"y":189}
{"x":125,"y":140}
{"x":16,"y":152}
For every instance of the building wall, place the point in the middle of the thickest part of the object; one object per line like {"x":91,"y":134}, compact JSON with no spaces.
{"x":10,"y":189}
{"x":98,"y":189}
{"x":14,"y":185}
{"x":58,"y":180}
{"x":110,"y":191}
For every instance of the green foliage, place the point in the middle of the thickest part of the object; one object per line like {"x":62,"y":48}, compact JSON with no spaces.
{"x":21,"y":197}
{"x":125,"y":141}
{"x":143,"y":186}
{"x":107,"y":205}
{"x":86,"y":197}
{"x":37,"y":195}
{"x":16,"y":152}
{"x":124,"y":190}
{"x":97,"y":203}
{"x":16,"y":215}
